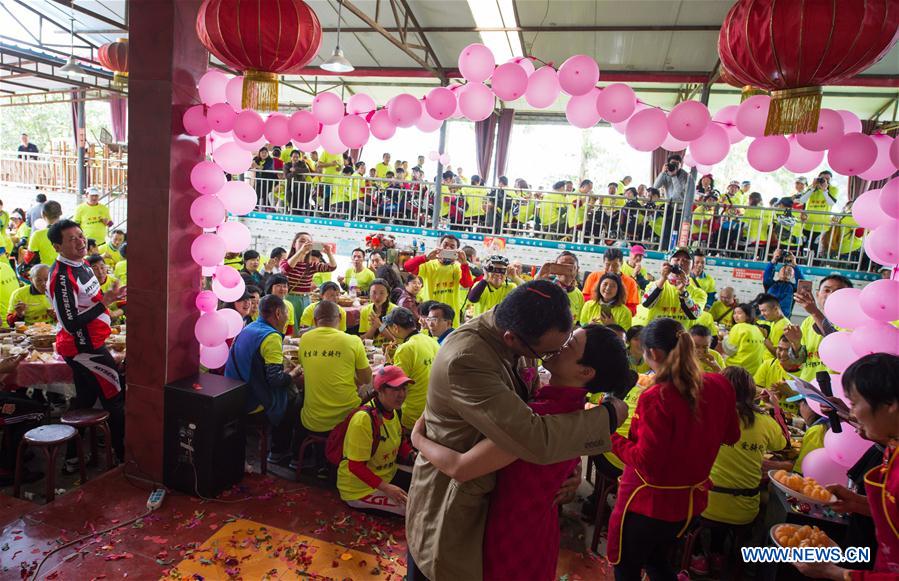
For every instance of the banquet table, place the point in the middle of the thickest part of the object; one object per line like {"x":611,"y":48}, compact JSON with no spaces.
{"x":54,"y":377}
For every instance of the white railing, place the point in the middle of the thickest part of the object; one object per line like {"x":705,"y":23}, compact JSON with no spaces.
{"x":53,"y":172}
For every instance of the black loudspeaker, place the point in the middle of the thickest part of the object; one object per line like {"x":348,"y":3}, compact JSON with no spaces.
{"x":204,"y":434}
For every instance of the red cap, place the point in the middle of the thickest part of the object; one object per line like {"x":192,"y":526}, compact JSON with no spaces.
{"x":390,"y":375}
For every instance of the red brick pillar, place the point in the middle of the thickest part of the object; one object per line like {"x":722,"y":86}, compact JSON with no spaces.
{"x":167,"y":60}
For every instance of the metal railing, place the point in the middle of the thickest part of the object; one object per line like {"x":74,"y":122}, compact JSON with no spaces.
{"x":53,"y":172}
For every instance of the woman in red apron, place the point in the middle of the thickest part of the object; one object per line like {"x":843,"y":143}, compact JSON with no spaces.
{"x":676,"y":430}
{"x":872,"y":386}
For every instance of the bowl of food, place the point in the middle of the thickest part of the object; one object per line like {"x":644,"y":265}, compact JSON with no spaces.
{"x":801,"y":487}
{"x":43,"y":341}
{"x":788,"y":535}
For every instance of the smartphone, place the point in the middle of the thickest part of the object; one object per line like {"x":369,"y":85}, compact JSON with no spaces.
{"x":448,"y":255}
{"x":606,"y":310}
{"x":318,"y":246}
{"x":558,"y":269}
{"x":804,"y":286}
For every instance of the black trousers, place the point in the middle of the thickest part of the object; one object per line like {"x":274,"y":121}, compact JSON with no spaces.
{"x":646,"y":543}
{"x":97,"y":376}
{"x":283,"y":432}
{"x":413,"y":573}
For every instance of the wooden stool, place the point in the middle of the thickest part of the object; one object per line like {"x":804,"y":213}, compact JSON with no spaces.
{"x":93,"y":420}
{"x":309,"y":440}
{"x":49,"y":439}
{"x":604,"y":486}
{"x":259,"y":422}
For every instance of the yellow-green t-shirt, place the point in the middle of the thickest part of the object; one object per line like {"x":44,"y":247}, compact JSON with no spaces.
{"x":365,"y":324}
{"x":740,"y":466}
{"x":576,"y":300}
{"x":722,"y":314}
{"x":758,"y":220}
{"x":41,"y":244}
{"x":775,"y":332}
{"x":415,"y":357}
{"x":307,"y":319}
{"x":811,"y":340}
{"x":718,"y":359}
{"x":491,"y":297}
{"x":813,"y":439}
{"x":629,"y":270}
{"x":357,"y":445}
{"x":121,"y":271}
{"x":291,"y":314}
{"x":750,"y":348}
{"x":625,"y":428}
{"x":849,"y":242}
{"x":330,"y":359}
{"x":9,"y":282}
{"x":706,"y":283}
{"x":550,"y":209}
{"x":110,"y":255}
{"x":326,"y":157}
{"x":577,"y":210}
{"x":272,"y":349}
{"x":363,"y":278}
{"x":5,"y":240}
{"x":441,"y":282}
{"x":705,"y":320}
{"x":320,"y":277}
{"x":381,"y":169}
{"x":93,"y":220}
{"x":592,"y":310}
{"x":771,"y":373}
{"x":37,"y":306}
{"x":668,"y":303}
{"x":474,"y":201}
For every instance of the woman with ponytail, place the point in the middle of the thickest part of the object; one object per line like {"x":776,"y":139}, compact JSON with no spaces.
{"x":679,"y":425}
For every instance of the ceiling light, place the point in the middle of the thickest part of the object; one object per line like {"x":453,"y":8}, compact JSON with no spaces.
{"x":72,"y":68}
{"x":337,"y":63}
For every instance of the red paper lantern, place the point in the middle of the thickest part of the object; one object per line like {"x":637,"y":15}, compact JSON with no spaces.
{"x":793,"y":48}
{"x":746,"y":91}
{"x":262,"y":38}
{"x":114,"y":56}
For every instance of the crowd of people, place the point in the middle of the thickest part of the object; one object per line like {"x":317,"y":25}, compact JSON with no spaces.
{"x":485,"y":361}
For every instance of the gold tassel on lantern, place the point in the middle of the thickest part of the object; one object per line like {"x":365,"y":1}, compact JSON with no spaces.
{"x":794,"y":111}
{"x":119,"y":79}
{"x":260,"y":91}
{"x":750,"y":91}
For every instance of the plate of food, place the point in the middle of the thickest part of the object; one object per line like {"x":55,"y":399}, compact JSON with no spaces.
{"x":788,"y":535}
{"x":803,"y":488}
{"x":38,"y":329}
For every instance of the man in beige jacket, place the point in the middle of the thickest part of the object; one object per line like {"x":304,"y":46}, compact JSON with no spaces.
{"x":476,"y":391}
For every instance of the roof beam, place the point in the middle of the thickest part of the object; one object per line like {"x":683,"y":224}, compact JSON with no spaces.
{"x":424,"y":40}
{"x":559,"y":28}
{"x":58,"y":25}
{"x":18,"y":84}
{"x":71,"y":5}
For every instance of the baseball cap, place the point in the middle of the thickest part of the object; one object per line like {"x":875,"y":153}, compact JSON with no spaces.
{"x":734,"y":183}
{"x":802,"y":180}
{"x":390,"y":375}
{"x":399,"y":316}
{"x":682,"y":250}
{"x":637,"y":249}
{"x":746,"y":183}
{"x":795,"y":398}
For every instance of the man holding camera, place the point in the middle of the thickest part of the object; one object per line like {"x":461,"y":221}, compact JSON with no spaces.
{"x":783,"y":284}
{"x":817,"y":201}
{"x":444,"y":273}
{"x":675,"y":295}
{"x":674,"y":179}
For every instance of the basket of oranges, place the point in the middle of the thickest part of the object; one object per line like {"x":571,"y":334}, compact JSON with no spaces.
{"x":790,"y":535}
{"x":801,"y":487}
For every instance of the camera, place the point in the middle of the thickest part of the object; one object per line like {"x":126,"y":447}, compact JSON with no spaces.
{"x":675,"y":269}
{"x":672,"y":166}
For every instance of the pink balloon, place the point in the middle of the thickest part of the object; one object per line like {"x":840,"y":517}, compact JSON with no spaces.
{"x":768,"y":153}
{"x":426,"y":123}
{"x":251,"y":146}
{"x":194,"y":121}
{"x":212,"y":87}
{"x":234,"y":93}
{"x":817,"y":464}
{"x":228,"y":295}
{"x":232,"y":158}
{"x":802,"y":160}
{"x":854,"y":153}
{"x":360,"y":103}
{"x":851,"y":122}
{"x":457,"y":91}
{"x":727,"y":118}
{"x":578,"y":75}
{"x":889,"y":197}
{"x":208,"y":250}
{"x":880,"y":300}
{"x":207,"y":178}
{"x":543,"y":88}
{"x":647,"y":129}
{"x":238,"y":197}
{"x":752,"y":115}
{"x":381,"y":126}
{"x":688,"y":120}
{"x":882,"y":245}
{"x":616,"y":103}
{"x":894,"y":153}
{"x":330,"y":139}
{"x":404,"y":110}
{"x":867,"y":211}
{"x":581,"y":110}
{"x":444,"y":158}
{"x":846,"y":447}
{"x":713,"y":146}
{"x":875,"y":337}
{"x":327,"y":108}
{"x":476,"y":63}
{"x":883,"y":166}
{"x":353,"y":131}
{"x":302,"y":126}
{"x":843,"y":310}
{"x":206,"y":301}
{"x":234,"y":320}
{"x":440,"y":103}
{"x":227,"y":276}
{"x":277,"y":130}
{"x":236,"y":236}
{"x":672,"y":144}
{"x":207,"y":271}
{"x":830,"y":130}
{"x":309,"y":146}
{"x":211,"y":329}
{"x":621,"y":126}
{"x":509,"y":82}
{"x":525,"y":63}
{"x":249,"y":126}
{"x":477,"y":101}
{"x":836,"y":351}
{"x":433,"y":155}
{"x":207,"y":211}
{"x":214,"y":357}
{"x":221,"y":117}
